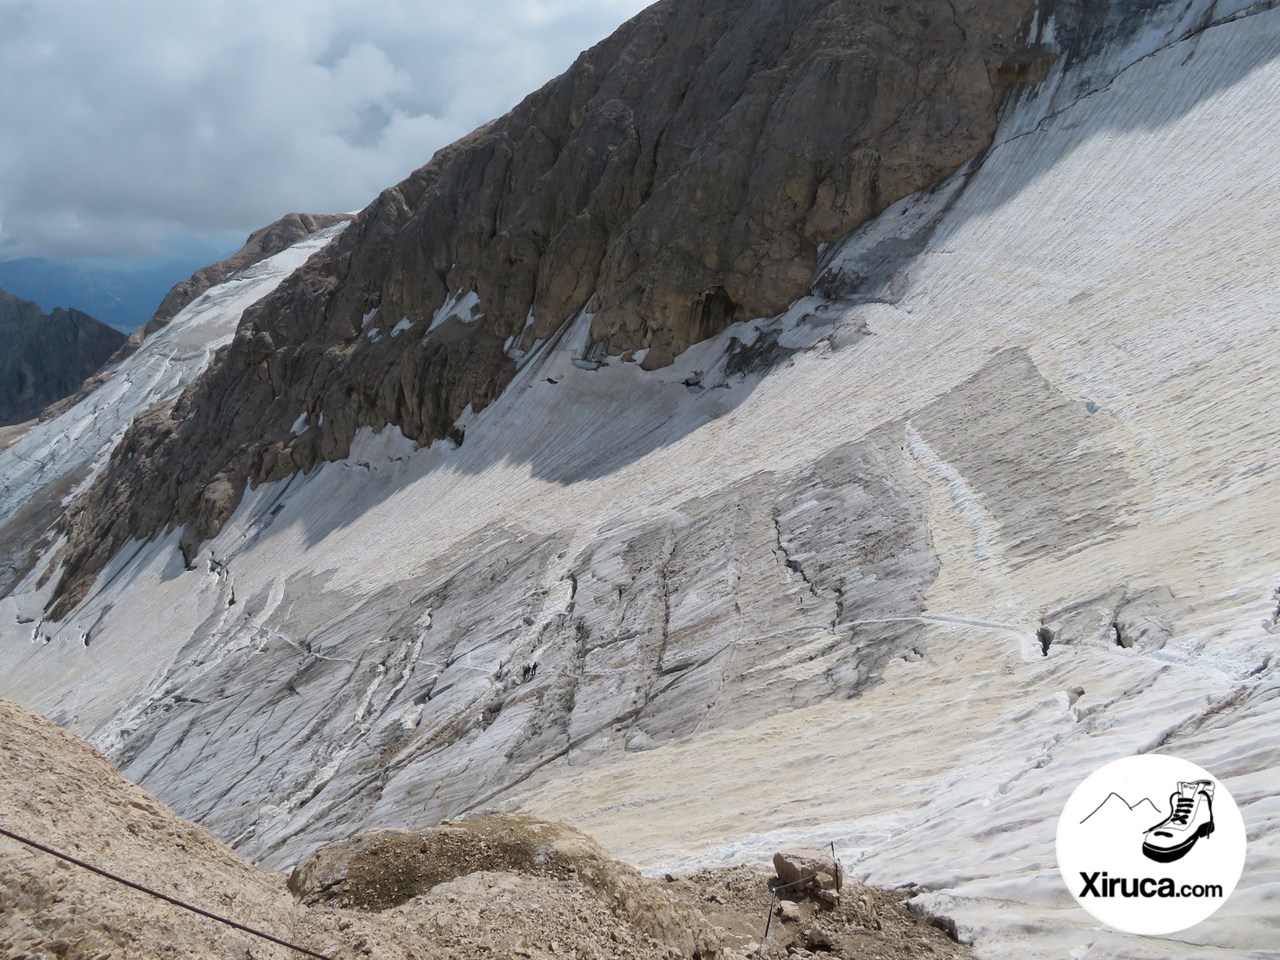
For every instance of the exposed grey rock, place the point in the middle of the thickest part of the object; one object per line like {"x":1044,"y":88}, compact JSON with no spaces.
{"x":680,"y":176}
{"x":45,"y":358}
{"x":819,"y":939}
{"x":802,"y":871}
{"x":789,"y":911}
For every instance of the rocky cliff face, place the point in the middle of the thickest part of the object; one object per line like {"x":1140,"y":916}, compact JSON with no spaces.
{"x":683,"y":174}
{"x":46,"y":357}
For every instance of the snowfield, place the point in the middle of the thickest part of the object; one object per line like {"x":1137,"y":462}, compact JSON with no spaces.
{"x":166,"y":362}
{"x":897,"y":569}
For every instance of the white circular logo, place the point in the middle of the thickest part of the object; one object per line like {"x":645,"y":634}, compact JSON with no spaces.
{"x":1151,"y":844}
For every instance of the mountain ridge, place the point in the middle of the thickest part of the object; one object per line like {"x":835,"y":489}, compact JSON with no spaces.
{"x":121,"y":297}
{"x":910,"y":561}
{"x":262,"y":244}
{"x":754,"y":161}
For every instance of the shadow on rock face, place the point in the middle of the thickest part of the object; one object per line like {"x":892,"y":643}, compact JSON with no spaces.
{"x":327,"y":342}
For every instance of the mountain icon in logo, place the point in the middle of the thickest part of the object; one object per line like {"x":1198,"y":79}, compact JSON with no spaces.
{"x":1115,"y":810}
{"x":1190,"y":818}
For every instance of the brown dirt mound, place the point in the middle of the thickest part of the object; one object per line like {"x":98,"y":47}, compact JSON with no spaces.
{"x":386,"y":868}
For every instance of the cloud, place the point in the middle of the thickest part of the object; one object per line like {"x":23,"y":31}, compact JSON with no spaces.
{"x":129,"y":123}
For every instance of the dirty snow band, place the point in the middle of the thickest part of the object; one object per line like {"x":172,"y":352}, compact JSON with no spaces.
{"x":1109,"y":886}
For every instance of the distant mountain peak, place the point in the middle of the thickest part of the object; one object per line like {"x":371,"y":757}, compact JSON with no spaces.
{"x":47,"y":356}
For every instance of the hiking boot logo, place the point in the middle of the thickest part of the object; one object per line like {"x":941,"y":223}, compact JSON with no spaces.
{"x":1190,"y":819}
{"x":1142,"y":865}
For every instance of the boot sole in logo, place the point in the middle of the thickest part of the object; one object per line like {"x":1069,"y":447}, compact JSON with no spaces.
{"x":1170,"y":854}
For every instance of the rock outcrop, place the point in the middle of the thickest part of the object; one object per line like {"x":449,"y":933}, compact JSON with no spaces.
{"x":46,"y":357}
{"x":683,"y":174}
{"x":806,"y":871}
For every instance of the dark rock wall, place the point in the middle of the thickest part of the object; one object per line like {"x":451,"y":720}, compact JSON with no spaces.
{"x":45,"y":358}
{"x":679,"y":176}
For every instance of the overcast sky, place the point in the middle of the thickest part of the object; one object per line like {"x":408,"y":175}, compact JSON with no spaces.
{"x":128,"y":124}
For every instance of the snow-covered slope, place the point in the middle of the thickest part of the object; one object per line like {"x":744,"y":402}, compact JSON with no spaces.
{"x":52,"y":459}
{"x":897,"y":569}
{"x":156,"y":373}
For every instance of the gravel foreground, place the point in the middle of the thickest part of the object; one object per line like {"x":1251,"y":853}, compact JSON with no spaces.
{"x":498,"y":886}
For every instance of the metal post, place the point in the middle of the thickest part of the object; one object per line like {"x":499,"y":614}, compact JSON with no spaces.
{"x":764,"y":943}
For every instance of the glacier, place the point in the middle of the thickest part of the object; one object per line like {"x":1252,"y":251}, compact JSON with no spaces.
{"x":862,"y":573}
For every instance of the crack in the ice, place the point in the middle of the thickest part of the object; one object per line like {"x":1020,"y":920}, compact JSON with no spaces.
{"x":1191,"y":725}
{"x":572,"y":745}
{"x":790,"y":562}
